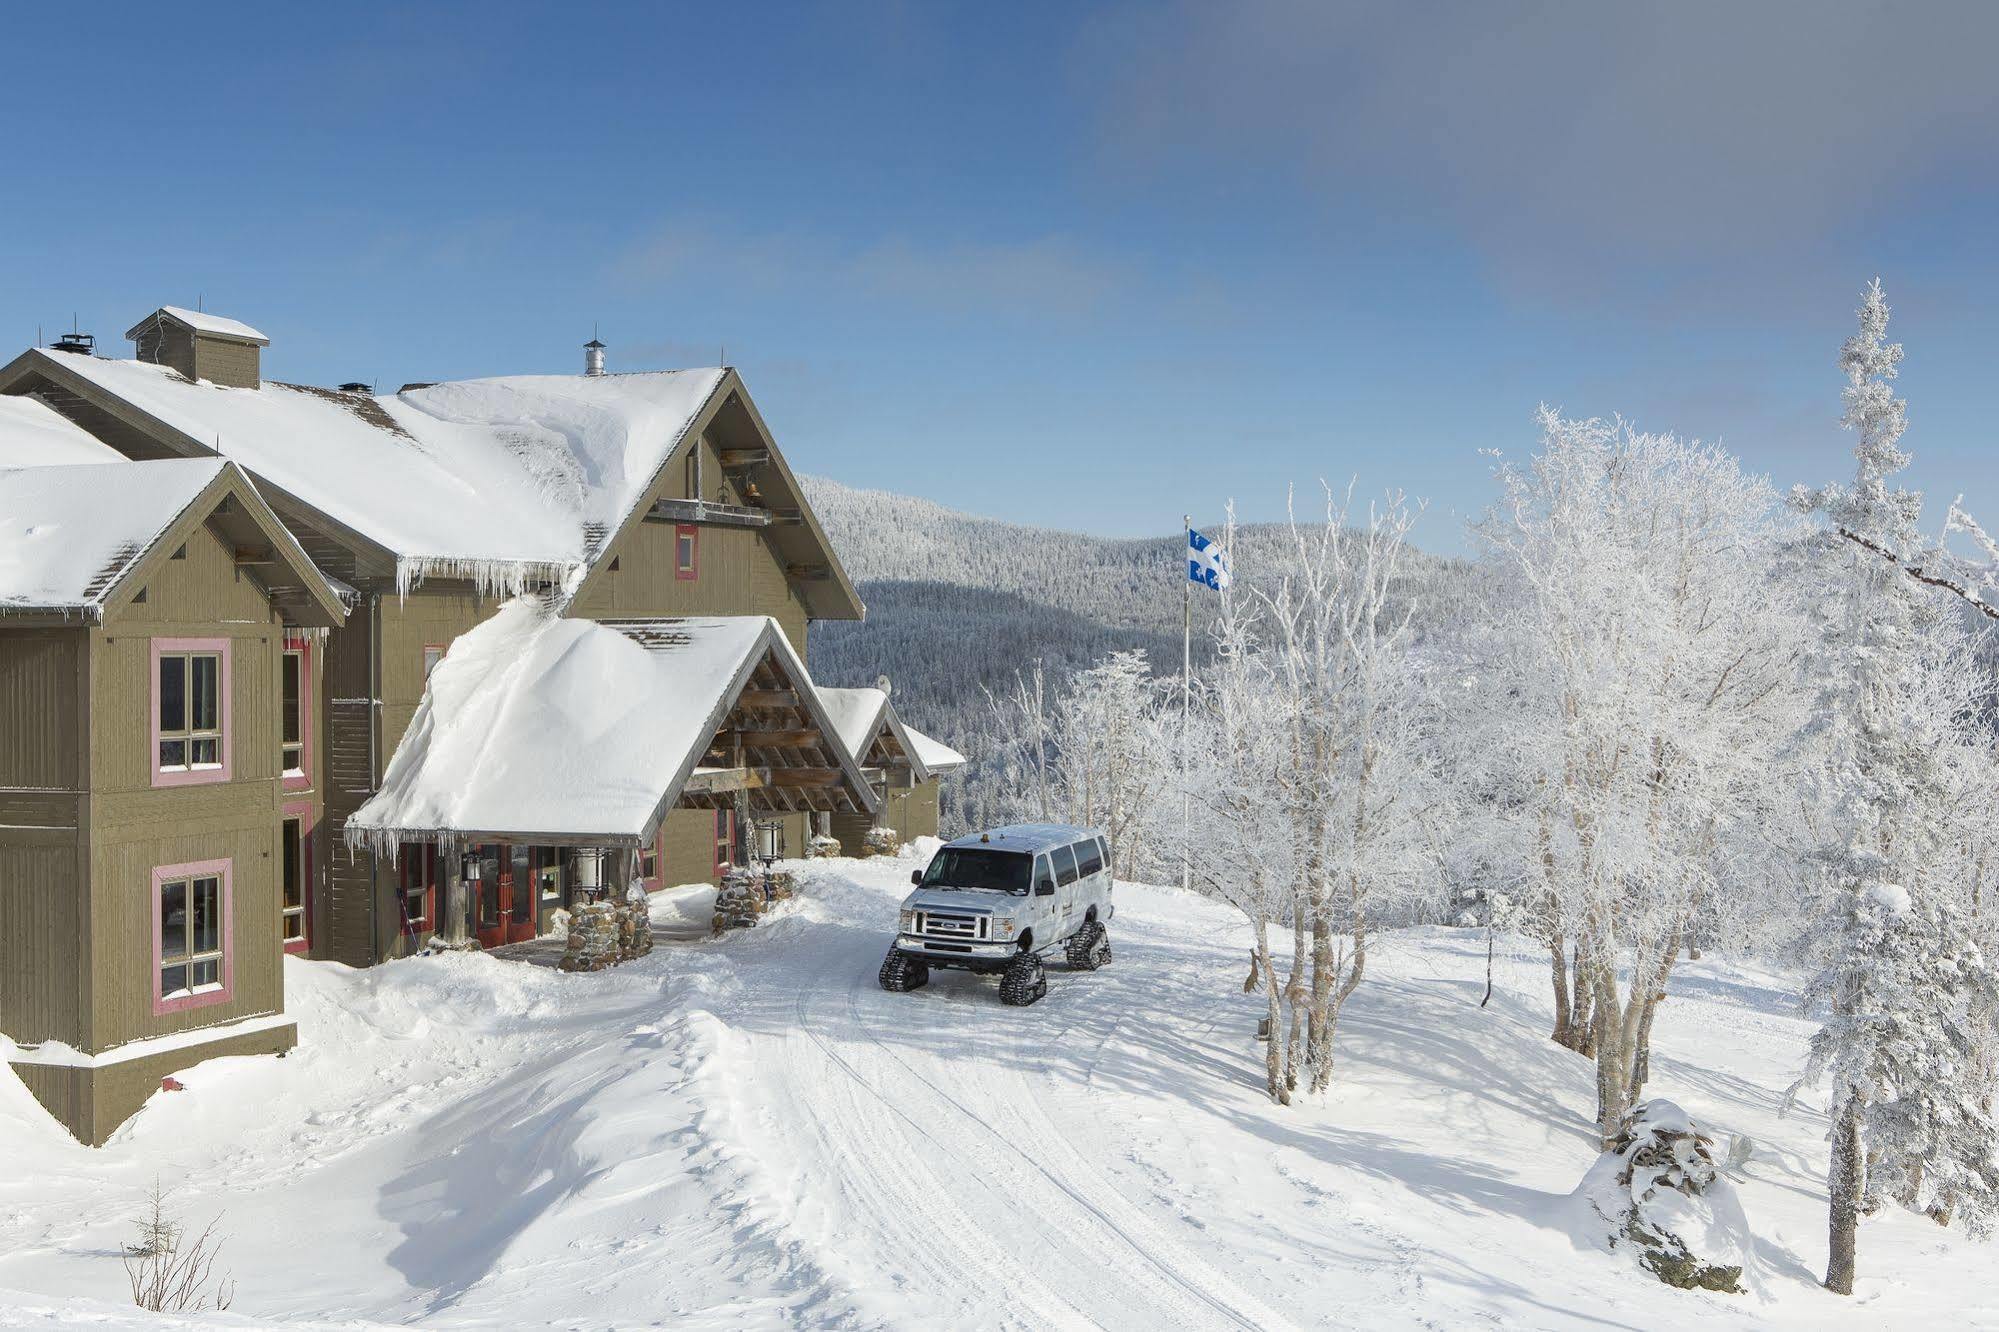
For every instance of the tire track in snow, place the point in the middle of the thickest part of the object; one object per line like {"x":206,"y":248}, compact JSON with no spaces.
{"x":1098,"y":1202}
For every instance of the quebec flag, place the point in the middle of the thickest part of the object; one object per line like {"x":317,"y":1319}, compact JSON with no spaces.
{"x":1207,"y":563}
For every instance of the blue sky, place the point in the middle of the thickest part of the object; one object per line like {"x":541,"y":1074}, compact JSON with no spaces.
{"x":1088,"y":267}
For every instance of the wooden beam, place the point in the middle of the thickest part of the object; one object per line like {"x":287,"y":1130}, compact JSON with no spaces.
{"x":777,"y":739}
{"x":816,"y":573}
{"x":767,"y":698}
{"x":736,"y":460}
{"x":717,"y":780}
{"x":788,"y":517}
{"x":255,"y":555}
{"x":806,"y":776}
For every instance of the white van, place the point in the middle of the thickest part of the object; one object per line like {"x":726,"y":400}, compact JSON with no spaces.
{"x":998,"y":901}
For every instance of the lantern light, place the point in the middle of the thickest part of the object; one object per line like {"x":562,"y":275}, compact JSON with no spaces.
{"x":474,"y":867}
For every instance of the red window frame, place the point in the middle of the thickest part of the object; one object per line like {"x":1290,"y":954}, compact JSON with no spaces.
{"x":302,"y":811}
{"x":428,"y":664}
{"x":725,"y":840}
{"x":420,"y":863}
{"x":224,"y":992}
{"x":690,"y":570}
{"x":302,"y":780}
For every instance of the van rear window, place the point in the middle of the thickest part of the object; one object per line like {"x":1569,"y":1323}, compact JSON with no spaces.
{"x":977,"y":867}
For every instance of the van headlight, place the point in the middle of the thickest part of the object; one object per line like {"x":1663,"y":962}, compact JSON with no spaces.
{"x":1002,"y":927}
{"x":908,"y":922}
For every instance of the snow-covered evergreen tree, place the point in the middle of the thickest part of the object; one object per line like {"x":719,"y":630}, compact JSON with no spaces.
{"x":1907,"y":991}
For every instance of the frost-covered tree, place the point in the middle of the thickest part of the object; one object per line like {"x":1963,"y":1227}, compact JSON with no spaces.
{"x":1646,"y":688}
{"x":1113,"y":762}
{"x":1907,"y":990}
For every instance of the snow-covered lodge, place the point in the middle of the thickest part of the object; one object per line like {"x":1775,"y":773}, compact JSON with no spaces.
{"x":297,"y":669}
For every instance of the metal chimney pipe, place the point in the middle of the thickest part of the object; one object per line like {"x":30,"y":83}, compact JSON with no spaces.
{"x":593,"y":357}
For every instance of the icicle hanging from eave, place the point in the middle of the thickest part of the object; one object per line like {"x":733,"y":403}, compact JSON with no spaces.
{"x":489,"y":578}
{"x":387,"y":843}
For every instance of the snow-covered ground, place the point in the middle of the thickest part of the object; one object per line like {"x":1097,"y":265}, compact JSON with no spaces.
{"x":748,"y":1133}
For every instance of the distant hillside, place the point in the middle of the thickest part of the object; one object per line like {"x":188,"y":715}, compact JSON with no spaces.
{"x":958,"y":603}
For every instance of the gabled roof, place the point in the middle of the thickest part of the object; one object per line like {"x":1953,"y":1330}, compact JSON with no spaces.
{"x":33,"y":434}
{"x":511,"y":482}
{"x":860,"y":715}
{"x":934,"y":755}
{"x":214,"y":326}
{"x":75,"y":539}
{"x":535,"y":725}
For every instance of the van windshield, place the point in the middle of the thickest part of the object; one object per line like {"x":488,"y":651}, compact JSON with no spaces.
{"x":977,"y":867}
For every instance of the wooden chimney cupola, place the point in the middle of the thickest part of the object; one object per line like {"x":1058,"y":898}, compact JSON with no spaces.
{"x":201,"y":346}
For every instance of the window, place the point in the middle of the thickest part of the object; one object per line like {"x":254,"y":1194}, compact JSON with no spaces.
{"x":417,"y":881}
{"x":1089,"y":857}
{"x":686,"y":551}
{"x":545,"y":871}
{"x":432,"y":654}
{"x":1104,"y":850}
{"x":725,"y":839}
{"x":1044,"y":877}
{"x":190,"y":702}
{"x":292,"y":702}
{"x":191,"y":935}
{"x":649,"y":858}
{"x":291,"y":883}
{"x":979,"y":868}
{"x":1065,"y":865}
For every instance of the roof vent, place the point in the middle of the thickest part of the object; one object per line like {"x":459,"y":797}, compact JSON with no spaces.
{"x":355,"y":386}
{"x":593,"y":357}
{"x":77,"y":344}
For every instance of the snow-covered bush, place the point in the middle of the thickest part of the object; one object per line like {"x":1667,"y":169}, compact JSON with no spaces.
{"x":1658,"y":1192}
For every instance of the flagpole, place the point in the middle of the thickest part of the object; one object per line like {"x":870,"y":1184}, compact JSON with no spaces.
{"x":1186,"y":707}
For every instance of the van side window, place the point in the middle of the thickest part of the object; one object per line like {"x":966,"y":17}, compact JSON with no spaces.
{"x":1065,"y":865}
{"x":1089,"y":857}
{"x":1044,"y":878}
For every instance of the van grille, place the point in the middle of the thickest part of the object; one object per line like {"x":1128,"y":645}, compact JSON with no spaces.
{"x":953,"y":925}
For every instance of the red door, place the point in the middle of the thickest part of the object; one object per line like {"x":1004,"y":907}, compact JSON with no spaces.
{"x":516,"y":900}
{"x":494,"y":902}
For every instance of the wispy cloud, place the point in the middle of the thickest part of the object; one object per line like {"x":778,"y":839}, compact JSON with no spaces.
{"x":1569,"y":143}
{"x":1038,"y":275}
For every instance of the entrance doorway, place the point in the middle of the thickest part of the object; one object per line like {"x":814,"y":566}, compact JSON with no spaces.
{"x":493,"y":904}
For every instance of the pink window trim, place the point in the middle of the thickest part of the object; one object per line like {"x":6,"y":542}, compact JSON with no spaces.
{"x":302,"y":811}
{"x":303,"y":781}
{"x":192,"y":776}
{"x":197,"y":869}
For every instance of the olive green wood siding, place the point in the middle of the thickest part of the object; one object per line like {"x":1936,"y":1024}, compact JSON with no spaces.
{"x":93,"y":1102}
{"x":43,"y":990}
{"x":137,"y":826}
{"x":40,"y":737}
{"x":164,"y":342}
{"x":689,"y":845}
{"x":911,"y":811}
{"x":428,"y":616}
{"x":737,"y":573}
{"x":232,"y":363}
{"x":345,"y":930}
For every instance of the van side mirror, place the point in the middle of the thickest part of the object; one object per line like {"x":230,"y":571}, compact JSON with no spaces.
{"x":1044,"y":888}
{"x":916,"y":878}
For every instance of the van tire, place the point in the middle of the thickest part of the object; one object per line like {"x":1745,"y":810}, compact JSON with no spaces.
{"x":1089,"y":947}
{"x":1023,"y":982}
{"x":902,"y":972}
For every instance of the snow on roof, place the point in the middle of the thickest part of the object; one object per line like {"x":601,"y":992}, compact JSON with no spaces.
{"x":33,"y":434}
{"x":933,"y":754}
{"x":856,"y":715}
{"x":203,"y":322}
{"x":68,"y":534}
{"x":505,"y":481}
{"x":533,"y":723}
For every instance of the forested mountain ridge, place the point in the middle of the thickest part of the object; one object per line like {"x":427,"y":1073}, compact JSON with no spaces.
{"x":957,"y":603}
